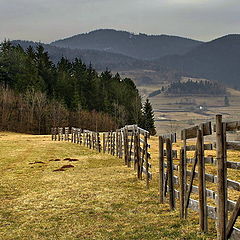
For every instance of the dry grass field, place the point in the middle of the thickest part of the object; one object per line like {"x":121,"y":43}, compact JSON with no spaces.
{"x":98,"y":198}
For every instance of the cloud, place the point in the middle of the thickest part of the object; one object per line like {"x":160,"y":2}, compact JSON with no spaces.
{"x":49,"y":20}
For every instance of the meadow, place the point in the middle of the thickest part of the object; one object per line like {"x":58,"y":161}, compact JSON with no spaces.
{"x":173,"y":113}
{"x":98,"y":197}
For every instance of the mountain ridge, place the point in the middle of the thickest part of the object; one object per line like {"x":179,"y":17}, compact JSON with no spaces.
{"x":217,"y":59}
{"x":140,"y":46}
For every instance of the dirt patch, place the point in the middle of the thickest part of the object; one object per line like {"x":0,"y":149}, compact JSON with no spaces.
{"x":59,"y":170}
{"x":63,"y":168}
{"x":67,"y":166}
{"x":36,"y":162}
{"x":70,"y":159}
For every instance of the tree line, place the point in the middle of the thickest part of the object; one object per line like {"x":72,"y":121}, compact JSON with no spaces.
{"x":37,"y":94}
{"x":196,"y":87}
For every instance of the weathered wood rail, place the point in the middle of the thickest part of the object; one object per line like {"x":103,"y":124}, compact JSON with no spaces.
{"x":189,"y":170}
{"x":129,"y":142}
{"x":183,"y":173}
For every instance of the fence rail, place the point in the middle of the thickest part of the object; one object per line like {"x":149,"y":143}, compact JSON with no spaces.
{"x":182,"y":173}
{"x":194,"y":168}
{"x":129,"y":142}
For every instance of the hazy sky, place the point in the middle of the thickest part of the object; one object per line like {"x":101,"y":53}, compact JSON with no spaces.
{"x":48,"y":20}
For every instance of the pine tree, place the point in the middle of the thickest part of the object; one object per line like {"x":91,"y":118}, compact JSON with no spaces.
{"x":148,"y":118}
{"x":226,"y":101}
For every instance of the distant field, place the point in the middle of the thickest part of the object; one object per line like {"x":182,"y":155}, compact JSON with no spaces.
{"x":173,"y":114}
{"x":98,"y":198}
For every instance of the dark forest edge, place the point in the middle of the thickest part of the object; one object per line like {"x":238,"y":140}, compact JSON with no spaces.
{"x":36,"y":94}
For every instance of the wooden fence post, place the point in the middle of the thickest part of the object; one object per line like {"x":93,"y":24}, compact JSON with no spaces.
{"x":104,"y":143}
{"x":121,"y":143}
{"x":146,"y":160}
{"x":81,"y":137}
{"x":126,"y":147}
{"x":58,"y":134}
{"x":201,"y":182}
{"x":55,"y":134}
{"x":52,"y":132}
{"x":185,"y":172}
{"x":138,"y":155}
{"x":130,"y":150}
{"x":181,"y":183}
{"x":161,"y":170}
{"x":114,"y":141}
{"x":117,"y":144}
{"x":221,"y":165}
{"x":111,"y":143}
{"x":170,"y":173}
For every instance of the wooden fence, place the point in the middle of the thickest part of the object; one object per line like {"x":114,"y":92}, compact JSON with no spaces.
{"x":129,"y":142}
{"x":186,"y":178}
{"x":181,"y":185}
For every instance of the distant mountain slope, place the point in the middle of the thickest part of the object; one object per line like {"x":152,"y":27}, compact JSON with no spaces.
{"x":99,"y":59}
{"x":216,"y":60}
{"x":139,"y":46}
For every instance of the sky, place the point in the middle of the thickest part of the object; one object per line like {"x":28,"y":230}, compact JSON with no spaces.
{"x":49,"y":20}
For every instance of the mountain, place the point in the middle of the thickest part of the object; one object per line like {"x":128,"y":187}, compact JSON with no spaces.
{"x":216,"y":60}
{"x":140,"y":46}
{"x":99,"y":59}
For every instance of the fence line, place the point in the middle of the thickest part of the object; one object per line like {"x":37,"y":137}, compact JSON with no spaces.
{"x":130,"y":143}
{"x":184,"y":187}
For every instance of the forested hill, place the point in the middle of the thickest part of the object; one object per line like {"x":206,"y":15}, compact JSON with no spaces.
{"x":140,"y":46}
{"x":36,"y":94}
{"x":99,"y":59}
{"x":216,"y":60}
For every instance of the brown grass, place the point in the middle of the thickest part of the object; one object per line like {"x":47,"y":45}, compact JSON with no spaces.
{"x":99,"y":198}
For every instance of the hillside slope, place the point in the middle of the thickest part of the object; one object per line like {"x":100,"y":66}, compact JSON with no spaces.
{"x":99,"y":59}
{"x":141,"y":46}
{"x":216,"y":60}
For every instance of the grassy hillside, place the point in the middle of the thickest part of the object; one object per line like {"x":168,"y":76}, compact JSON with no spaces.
{"x":99,"y":198}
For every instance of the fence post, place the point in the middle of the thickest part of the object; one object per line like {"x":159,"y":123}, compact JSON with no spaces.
{"x":104,"y":143}
{"x":138,"y":155}
{"x":126,"y":146}
{"x":221,"y":165}
{"x":181,"y":183}
{"x":121,"y":144}
{"x":52,"y":132}
{"x":81,"y":137}
{"x":58,"y":134}
{"x":185,"y":172}
{"x":201,"y":182}
{"x":146,"y":160}
{"x":130,"y":151}
{"x":161,"y":170}
{"x":170,"y":173}
{"x":117,"y":144}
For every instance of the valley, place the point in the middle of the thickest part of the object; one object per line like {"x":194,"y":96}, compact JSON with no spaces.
{"x":173,"y":113}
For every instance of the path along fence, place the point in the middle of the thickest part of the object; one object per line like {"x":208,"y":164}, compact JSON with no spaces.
{"x":186,"y":178}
